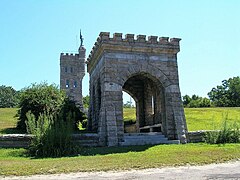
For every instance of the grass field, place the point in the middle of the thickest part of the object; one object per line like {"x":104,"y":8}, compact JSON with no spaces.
{"x":14,"y":161}
{"x":201,"y":118}
{"x":8,"y":121}
{"x":197,"y":118}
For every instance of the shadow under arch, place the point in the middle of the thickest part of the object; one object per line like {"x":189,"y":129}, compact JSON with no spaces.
{"x":148,"y":93}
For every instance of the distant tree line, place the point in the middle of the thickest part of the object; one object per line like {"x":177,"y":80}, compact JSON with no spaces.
{"x":225,"y":95}
{"x":9,"y":97}
{"x":196,"y":101}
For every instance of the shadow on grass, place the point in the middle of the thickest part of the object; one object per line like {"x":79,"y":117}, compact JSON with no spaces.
{"x":12,"y":131}
{"x":92,"y":151}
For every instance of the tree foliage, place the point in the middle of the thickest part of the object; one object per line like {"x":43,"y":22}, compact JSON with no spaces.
{"x":128,"y":104}
{"x":8,"y":97}
{"x":195,"y":101}
{"x":227,"y":94}
{"x":40,"y":98}
{"x":86,"y":101}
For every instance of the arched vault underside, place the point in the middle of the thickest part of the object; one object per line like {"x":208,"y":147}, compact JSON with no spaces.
{"x":148,"y":71}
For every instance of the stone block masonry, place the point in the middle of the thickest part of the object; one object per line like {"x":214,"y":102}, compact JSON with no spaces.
{"x":147,"y":70}
{"x":72,"y":71}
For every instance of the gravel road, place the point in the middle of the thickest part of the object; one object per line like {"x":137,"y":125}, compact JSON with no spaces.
{"x":230,"y":170}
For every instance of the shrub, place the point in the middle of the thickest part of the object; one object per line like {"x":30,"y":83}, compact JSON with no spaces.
{"x":228,"y":134}
{"x":70,"y":107}
{"x":52,"y":135}
{"x":41,"y":98}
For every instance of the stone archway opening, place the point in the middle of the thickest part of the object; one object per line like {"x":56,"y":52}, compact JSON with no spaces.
{"x":145,"y":68}
{"x":148,"y":94}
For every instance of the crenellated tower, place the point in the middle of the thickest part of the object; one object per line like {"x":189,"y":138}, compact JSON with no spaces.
{"x":72,"y":71}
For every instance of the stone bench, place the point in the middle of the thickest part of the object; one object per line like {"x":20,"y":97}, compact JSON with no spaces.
{"x":151,"y":128}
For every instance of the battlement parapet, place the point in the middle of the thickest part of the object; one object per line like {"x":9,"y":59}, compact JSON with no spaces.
{"x":105,"y":37}
{"x":69,"y":54}
{"x":142,"y":43}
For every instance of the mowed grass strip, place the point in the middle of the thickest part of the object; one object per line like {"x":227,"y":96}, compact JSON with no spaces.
{"x":13,"y":161}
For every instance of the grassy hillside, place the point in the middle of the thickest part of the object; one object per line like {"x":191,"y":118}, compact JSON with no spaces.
{"x":200,"y":118}
{"x":210,"y":118}
{"x":8,"y":121}
{"x":197,"y":118}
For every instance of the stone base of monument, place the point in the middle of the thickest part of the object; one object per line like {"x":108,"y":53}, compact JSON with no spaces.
{"x":151,"y":138}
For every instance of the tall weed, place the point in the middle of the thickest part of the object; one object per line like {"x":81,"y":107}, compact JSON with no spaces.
{"x":52,"y":135}
{"x":227,"y":134}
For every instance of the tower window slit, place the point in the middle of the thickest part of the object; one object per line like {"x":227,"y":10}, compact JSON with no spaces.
{"x":75,"y":84}
{"x":67,"y":83}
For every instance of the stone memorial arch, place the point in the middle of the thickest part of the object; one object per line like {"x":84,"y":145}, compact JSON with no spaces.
{"x":148,"y":71}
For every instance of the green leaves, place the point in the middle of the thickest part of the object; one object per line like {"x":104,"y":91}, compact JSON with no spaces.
{"x":227,"y":94}
{"x":195,"y":101}
{"x":8,"y":97}
{"x":39,"y":98}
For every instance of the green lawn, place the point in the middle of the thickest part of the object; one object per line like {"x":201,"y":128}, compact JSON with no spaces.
{"x":197,"y":118}
{"x":14,"y":161}
{"x":200,"y":118}
{"x":8,"y":121}
{"x":210,"y":118}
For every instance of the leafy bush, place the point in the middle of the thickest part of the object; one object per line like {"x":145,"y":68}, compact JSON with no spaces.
{"x":70,"y":107}
{"x":52,"y":135}
{"x":228,"y":134}
{"x":41,"y":98}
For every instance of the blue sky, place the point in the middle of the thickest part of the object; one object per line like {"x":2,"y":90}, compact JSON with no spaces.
{"x":34,"y":33}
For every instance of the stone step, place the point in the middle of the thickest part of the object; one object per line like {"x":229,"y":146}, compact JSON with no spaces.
{"x":146,"y":139}
{"x":86,"y":139}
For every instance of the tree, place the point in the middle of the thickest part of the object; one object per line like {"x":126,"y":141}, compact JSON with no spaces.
{"x":8,"y":97}
{"x":86,"y":101}
{"x":186,"y":100}
{"x":195,"y":101}
{"x":227,"y":94}
{"x":128,"y":104}
{"x":42,"y":98}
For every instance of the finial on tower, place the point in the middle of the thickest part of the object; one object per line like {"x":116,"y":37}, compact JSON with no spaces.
{"x":81,"y":39}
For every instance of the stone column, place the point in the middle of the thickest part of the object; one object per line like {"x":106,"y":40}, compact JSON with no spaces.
{"x":113,"y":106}
{"x":175,"y":114}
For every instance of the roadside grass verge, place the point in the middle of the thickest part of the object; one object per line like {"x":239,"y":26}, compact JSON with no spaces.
{"x":15,"y":162}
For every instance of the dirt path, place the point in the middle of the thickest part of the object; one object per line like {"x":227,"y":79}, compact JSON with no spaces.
{"x":230,"y":170}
